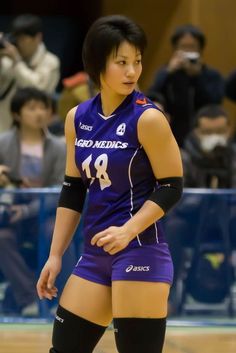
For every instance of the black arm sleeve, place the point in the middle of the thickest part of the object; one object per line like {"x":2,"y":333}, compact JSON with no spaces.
{"x":72,"y":194}
{"x":168,"y":192}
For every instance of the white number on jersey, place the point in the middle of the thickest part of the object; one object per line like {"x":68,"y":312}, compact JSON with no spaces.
{"x":100,"y":165}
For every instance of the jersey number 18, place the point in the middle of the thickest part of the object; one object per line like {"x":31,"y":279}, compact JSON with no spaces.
{"x":100,"y":165}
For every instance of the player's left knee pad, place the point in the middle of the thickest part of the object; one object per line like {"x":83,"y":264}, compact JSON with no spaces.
{"x":74,"y":334}
{"x":139,"y":335}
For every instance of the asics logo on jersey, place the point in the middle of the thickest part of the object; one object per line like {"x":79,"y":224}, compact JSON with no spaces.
{"x":137,"y":268}
{"x":121,"y":129}
{"x":85,"y":127}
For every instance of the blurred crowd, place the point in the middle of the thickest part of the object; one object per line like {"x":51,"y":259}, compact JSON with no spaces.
{"x":32,"y":147}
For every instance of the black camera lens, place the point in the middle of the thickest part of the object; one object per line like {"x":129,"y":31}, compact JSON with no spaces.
{"x":2,"y":43}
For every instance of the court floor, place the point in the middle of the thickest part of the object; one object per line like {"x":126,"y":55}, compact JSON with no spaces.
{"x":35,"y":338}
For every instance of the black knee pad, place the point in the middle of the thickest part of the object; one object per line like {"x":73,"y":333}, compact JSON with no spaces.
{"x":139,"y":335}
{"x":73,"y":334}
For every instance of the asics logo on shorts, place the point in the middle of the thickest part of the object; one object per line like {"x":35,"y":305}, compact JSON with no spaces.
{"x":137,"y":268}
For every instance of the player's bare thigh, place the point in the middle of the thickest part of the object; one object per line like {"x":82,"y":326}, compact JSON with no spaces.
{"x":140,"y":299}
{"x":87,"y":299}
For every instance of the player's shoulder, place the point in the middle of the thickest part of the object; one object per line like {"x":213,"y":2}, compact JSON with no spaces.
{"x":88,"y":104}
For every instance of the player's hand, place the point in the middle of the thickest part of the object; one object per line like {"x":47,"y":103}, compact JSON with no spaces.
{"x":112,"y":239}
{"x":45,"y":285}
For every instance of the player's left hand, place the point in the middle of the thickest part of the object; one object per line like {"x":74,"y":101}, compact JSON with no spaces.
{"x":112,"y":239}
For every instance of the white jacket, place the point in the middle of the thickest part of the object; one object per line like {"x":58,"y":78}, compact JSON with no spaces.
{"x":42,"y":72}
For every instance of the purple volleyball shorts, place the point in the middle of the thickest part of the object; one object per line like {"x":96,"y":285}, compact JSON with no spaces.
{"x":149,"y":263}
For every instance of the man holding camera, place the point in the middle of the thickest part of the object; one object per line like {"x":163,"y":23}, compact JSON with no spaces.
{"x":24,"y":61}
{"x":186,"y":82}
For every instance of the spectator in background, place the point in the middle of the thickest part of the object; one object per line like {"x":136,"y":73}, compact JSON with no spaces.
{"x":230,"y":86}
{"x":24,"y":61}
{"x":159,"y":100}
{"x":29,"y":157}
{"x":186,"y":82}
{"x":209,"y":156}
{"x":209,"y":161}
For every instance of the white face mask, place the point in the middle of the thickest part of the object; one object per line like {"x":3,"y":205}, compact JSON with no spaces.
{"x":209,"y":142}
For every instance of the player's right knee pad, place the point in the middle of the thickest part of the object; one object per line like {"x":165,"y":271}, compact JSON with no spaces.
{"x":73,"y":334}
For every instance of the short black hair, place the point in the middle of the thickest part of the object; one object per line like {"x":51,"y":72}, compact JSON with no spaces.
{"x":26,"y":24}
{"x":105,"y":35}
{"x":23,"y":95}
{"x":211,"y":111}
{"x":188,"y":29}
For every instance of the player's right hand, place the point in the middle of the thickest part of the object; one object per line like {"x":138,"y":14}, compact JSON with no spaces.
{"x":45,"y":285}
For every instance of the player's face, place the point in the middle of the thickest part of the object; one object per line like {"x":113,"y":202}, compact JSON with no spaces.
{"x":123,"y":69}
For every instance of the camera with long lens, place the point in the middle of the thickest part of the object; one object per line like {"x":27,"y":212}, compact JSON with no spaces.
{"x":6,"y":38}
{"x":192,"y":56}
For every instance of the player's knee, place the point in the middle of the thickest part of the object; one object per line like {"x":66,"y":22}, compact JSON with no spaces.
{"x":74,"y":334}
{"x":139,"y":335}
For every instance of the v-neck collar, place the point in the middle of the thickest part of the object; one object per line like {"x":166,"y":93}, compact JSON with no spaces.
{"x":120,"y":107}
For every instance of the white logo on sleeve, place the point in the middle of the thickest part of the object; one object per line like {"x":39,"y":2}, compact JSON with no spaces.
{"x":137,"y":268}
{"x":121,"y":129}
{"x":85,"y":127}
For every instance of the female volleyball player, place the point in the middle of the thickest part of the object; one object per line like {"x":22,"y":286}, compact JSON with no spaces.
{"x":120,"y":148}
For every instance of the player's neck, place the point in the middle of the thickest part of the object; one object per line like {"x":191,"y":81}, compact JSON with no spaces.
{"x":110,"y":102}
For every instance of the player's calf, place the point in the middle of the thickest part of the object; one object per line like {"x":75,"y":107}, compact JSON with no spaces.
{"x":74,"y":334}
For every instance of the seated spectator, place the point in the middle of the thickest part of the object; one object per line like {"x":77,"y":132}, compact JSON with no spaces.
{"x":209,"y":161}
{"x":24,"y":61}
{"x":186,"y":82}
{"x":209,"y":155}
{"x":29,"y":157}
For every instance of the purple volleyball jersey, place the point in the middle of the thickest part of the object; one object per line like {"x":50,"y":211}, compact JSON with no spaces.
{"x":115,"y":167}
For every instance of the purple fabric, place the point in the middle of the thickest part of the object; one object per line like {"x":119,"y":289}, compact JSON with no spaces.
{"x":149,"y":263}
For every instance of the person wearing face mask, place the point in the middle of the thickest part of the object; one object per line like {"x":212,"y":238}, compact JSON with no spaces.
{"x":24,"y":61}
{"x":186,"y":82}
{"x":209,"y":155}
{"x":209,"y":161}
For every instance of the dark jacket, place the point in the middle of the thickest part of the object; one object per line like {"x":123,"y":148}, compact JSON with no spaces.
{"x":230,"y":86}
{"x":184,"y":95}
{"x":199,"y":167}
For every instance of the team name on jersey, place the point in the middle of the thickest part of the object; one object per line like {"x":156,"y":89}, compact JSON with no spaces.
{"x":101,"y":144}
